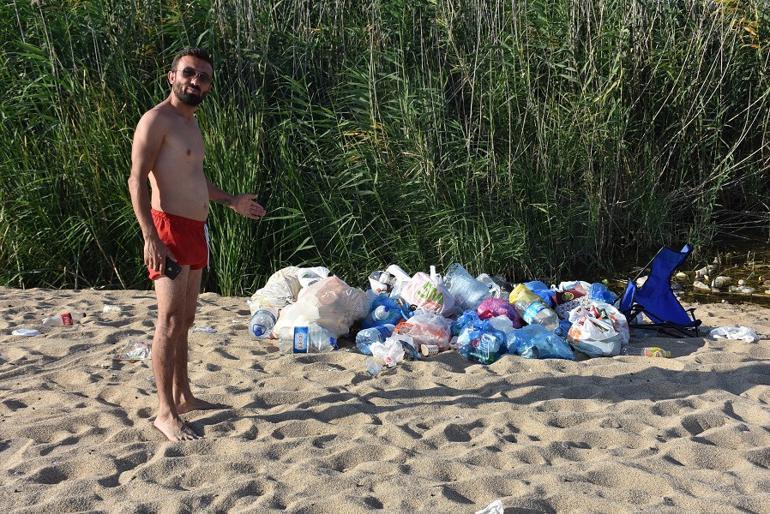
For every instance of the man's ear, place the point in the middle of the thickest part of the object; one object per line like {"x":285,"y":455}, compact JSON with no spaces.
{"x":170,"y":77}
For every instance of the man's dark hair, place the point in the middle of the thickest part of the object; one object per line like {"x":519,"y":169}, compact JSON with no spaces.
{"x":200,"y":53}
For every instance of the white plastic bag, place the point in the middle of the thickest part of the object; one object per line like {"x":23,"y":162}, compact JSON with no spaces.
{"x":390,"y":351}
{"x":330,"y":302}
{"x":429,"y":293}
{"x":283,"y":287}
{"x":737,"y":333}
{"x":598,"y":329}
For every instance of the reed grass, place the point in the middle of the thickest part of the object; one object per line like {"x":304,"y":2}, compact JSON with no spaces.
{"x":539,"y":138}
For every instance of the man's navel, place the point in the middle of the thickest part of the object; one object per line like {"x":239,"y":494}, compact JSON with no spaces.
{"x":188,"y":152}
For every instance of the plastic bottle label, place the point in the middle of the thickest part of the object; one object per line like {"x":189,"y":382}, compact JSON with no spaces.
{"x":300,"y":339}
{"x":532,"y":311}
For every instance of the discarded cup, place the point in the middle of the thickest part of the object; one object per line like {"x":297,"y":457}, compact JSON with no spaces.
{"x":112,"y":309}
{"x":429,"y":350}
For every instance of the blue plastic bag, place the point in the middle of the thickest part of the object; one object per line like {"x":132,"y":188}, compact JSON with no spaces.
{"x":469,"y":317}
{"x":600,"y":293}
{"x":481,"y":343}
{"x":541,"y":290}
{"x":537,"y":342}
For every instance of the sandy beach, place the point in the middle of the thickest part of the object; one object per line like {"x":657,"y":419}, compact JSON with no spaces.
{"x":316,"y":434}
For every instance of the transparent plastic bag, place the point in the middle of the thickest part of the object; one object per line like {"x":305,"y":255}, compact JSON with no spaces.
{"x":283,"y":287}
{"x":736,"y":333}
{"x":426,"y":327}
{"x":537,"y":342}
{"x":330,"y":302}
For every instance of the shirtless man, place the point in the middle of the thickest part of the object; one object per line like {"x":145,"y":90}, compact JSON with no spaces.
{"x":168,"y":152}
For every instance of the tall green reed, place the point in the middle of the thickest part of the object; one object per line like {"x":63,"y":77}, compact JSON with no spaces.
{"x":540,"y":138}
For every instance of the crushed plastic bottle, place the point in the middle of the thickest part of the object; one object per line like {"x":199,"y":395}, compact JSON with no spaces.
{"x":26,"y":332}
{"x":647,"y":351}
{"x":368,"y":336}
{"x":135,"y":351}
{"x":204,"y":329}
{"x":532,"y":309}
{"x":373,"y":367}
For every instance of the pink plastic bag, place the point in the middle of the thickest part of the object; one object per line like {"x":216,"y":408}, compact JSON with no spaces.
{"x":491,"y":307}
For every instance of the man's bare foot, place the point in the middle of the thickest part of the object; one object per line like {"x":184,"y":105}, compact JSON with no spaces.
{"x":198,"y":404}
{"x":175,"y":429}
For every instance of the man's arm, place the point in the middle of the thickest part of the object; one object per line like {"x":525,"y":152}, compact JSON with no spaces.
{"x":245,"y":204}
{"x":148,"y":139}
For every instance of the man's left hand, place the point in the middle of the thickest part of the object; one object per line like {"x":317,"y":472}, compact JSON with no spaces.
{"x":246,"y":205}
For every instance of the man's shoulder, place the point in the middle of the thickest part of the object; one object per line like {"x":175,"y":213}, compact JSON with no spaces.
{"x":156,"y":119}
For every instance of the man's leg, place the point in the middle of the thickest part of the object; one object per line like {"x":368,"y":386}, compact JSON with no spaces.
{"x":170,"y":326}
{"x":183,"y":397}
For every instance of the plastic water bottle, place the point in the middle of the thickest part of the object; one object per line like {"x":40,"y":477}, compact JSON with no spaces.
{"x":368,"y":336}
{"x":320,"y":340}
{"x":384,"y":311}
{"x":261,"y":323}
{"x":532,"y":309}
{"x":312,"y":338}
{"x":64,"y":319}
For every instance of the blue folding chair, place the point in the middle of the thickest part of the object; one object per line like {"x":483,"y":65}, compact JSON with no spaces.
{"x":656,"y":299}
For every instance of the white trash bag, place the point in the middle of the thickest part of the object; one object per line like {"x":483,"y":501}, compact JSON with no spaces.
{"x":428,"y":292}
{"x":736,"y":333}
{"x":330,"y":302}
{"x":598,"y":329}
{"x":283,"y":287}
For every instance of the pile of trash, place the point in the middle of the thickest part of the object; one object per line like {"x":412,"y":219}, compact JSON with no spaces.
{"x":417,"y":316}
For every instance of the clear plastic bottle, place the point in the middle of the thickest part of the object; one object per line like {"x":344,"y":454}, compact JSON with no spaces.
{"x":262,"y":322}
{"x":312,"y":338}
{"x":320,"y":340}
{"x":369,"y":336}
{"x":647,"y":351}
{"x":63,"y":319}
{"x":532,"y":309}
{"x":384,"y":311}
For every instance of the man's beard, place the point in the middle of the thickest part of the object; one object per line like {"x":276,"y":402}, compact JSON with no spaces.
{"x":188,"y":98}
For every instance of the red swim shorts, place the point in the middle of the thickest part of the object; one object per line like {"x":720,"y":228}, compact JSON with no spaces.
{"x":187,"y":239}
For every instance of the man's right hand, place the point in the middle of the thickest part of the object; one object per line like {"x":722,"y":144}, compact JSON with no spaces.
{"x":155,"y":253}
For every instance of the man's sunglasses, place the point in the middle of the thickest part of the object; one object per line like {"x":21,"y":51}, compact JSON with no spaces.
{"x":202,"y":76}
